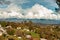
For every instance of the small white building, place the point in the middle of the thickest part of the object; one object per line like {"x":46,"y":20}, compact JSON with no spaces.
{"x":28,"y":36}
{"x":2,"y":30}
{"x":42,"y":39}
{"x":26,"y":29}
{"x":0,"y":25}
{"x":9,"y":27}
{"x":19,"y":37}
{"x":1,"y":33}
{"x":18,"y":27}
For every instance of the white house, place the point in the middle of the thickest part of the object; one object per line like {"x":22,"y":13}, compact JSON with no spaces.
{"x":42,"y":39}
{"x":18,"y":27}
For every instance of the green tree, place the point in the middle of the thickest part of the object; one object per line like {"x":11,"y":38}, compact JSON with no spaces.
{"x":11,"y":31}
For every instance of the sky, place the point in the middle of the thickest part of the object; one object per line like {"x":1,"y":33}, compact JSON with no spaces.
{"x":50,"y":4}
{"x":29,"y":9}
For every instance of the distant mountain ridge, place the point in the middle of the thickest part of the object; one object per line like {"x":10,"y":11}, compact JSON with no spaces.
{"x":42,"y":21}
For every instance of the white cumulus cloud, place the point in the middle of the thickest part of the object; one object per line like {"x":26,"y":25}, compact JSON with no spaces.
{"x":36,"y":12}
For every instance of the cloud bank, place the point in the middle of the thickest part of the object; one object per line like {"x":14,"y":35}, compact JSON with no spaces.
{"x":36,"y":12}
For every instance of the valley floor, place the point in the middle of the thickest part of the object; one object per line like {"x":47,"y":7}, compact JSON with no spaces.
{"x":28,"y":31}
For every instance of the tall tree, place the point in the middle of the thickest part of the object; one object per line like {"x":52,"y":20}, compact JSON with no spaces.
{"x":58,"y":2}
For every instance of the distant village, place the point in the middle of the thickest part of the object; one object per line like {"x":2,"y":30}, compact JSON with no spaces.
{"x":28,"y":31}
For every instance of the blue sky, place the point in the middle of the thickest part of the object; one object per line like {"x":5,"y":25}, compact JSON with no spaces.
{"x":47,"y":3}
{"x":50,"y":4}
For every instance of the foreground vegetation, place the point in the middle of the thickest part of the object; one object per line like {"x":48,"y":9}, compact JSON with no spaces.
{"x":19,"y":31}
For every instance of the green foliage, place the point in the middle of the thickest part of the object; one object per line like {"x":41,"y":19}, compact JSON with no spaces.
{"x":11,"y":31}
{"x":36,"y":31}
{"x":13,"y":38}
{"x":2,"y":38}
{"x":34,"y":34}
{"x":3,"y":23}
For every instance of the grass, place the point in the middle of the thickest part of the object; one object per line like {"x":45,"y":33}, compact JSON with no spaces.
{"x":35,"y":35}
